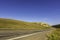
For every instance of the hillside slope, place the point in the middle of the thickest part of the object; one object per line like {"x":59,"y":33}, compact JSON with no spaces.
{"x":15,"y":24}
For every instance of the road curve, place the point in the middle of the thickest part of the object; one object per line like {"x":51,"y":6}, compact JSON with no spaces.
{"x":21,"y":35}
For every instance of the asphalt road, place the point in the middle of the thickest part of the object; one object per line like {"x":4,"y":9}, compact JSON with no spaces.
{"x":8,"y":34}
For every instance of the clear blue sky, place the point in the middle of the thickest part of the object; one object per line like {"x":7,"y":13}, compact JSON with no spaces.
{"x":31,"y":10}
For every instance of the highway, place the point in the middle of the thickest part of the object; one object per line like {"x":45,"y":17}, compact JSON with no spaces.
{"x":19,"y":34}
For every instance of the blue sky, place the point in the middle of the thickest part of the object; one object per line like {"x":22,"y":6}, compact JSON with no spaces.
{"x":31,"y":10}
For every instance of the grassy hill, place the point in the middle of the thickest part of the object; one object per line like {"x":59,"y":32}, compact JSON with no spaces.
{"x":15,"y":24}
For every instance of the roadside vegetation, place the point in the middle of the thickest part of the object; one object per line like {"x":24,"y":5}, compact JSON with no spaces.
{"x":55,"y":35}
{"x":15,"y":24}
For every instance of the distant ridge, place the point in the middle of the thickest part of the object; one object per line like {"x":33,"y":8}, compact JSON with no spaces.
{"x":56,"y":26}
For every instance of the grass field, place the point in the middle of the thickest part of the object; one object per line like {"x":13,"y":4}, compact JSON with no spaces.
{"x":55,"y":35}
{"x":16,"y":24}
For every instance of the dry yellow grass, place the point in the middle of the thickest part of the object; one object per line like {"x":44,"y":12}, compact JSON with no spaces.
{"x":15,"y":24}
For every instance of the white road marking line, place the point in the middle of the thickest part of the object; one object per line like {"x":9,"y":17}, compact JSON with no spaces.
{"x":23,"y":36}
